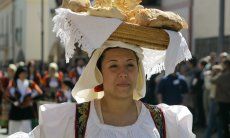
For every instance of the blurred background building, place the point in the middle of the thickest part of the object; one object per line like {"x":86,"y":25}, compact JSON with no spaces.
{"x":21,"y":30}
{"x":206,"y":26}
{"x":21,"y":36}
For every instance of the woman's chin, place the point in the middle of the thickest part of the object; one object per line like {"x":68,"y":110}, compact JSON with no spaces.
{"x":123,"y":93}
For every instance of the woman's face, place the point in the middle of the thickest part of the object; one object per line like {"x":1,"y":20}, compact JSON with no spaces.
{"x":52,"y":72}
{"x":120,"y":71}
{"x":10,"y":73}
{"x":22,"y":75}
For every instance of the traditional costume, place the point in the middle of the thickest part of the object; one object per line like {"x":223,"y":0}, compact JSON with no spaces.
{"x":21,"y":93}
{"x":110,"y":24}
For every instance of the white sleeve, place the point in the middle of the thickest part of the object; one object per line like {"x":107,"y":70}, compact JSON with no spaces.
{"x":35,"y":133}
{"x":178,"y":121}
{"x":55,"y":121}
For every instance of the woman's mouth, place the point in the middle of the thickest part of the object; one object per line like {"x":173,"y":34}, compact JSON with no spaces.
{"x":123,"y":85}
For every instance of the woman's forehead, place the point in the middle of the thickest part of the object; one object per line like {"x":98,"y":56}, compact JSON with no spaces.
{"x":119,"y":53}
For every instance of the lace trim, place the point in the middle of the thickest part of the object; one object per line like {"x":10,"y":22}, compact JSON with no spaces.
{"x":71,"y":36}
{"x":69,"y":33}
{"x":153,"y":61}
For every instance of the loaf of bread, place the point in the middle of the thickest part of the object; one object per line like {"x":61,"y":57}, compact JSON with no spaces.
{"x":102,"y":3}
{"x":126,"y":5}
{"x":76,"y":5}
{"x":111,"y":12}
{"x":129,"y":11}
{"x":158,"y":19}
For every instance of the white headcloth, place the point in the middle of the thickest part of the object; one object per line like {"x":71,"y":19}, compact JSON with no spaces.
{"x":91,"y":33}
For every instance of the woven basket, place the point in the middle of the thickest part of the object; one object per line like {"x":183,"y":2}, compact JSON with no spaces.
{"x":146,"y":37}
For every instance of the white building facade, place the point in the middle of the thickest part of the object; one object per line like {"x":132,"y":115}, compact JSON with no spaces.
{"x":20,"y":29}
{"x":203,"y":19}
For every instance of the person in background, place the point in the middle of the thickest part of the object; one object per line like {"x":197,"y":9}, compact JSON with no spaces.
{"x":5,"y":81}
{"x":197,"y":89}
{"x":212,"y":61}
{"x":64,"y":94}
{"x":21,"y":93}
{"x":171,"y":89}
{"x":52,"y":82}
{"x":150,"y":96}
{"x":212,"y":121}
{"x":223,"y":56}
{"x":11,"y":70}
{"x":76,"y":72}
{"x":223,"y":96}
{"x":33,"y":74}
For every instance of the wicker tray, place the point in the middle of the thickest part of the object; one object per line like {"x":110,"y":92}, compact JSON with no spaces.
{"x":146,"y":37}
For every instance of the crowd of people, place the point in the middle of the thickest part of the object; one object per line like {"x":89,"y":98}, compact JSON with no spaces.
{"x":23,"y":86}
{"x":201,"y":85}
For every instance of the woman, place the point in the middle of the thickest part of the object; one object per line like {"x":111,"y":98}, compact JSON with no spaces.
{"x":34,"y":76}
{"x":77,"y":70}
{"x":112,"y":82}
{"x":5,"y":105}
{"x":52,"y":82}
{"x":117,"y":114}
{"x":21,"y":93}
{"x":64,"y":94}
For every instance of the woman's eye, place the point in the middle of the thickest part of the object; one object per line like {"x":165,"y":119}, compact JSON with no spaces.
{"x":113,"y":66}
{"x":130,"y":65}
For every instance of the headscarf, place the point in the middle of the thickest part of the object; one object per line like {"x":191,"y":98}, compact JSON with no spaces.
{"x":77,"y":28}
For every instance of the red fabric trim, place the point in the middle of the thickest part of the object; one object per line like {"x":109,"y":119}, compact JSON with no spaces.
{"x":98,"y":88}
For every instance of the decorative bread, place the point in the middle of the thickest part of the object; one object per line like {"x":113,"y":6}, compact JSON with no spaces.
{"x":129,"y":11}
{"x":102,"y":3}
{"x":111,"y":12}
{"x":126,"y":5}
{"x":76,"y":5}
{"x":158,"y":19}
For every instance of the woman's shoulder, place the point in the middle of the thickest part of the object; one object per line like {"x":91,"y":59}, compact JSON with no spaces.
{"x":178,"y":120}
{"x":56,"y":106}
{"x":54,"y":111}
{"x":174,"y":109}
{"x":166,"y":109}
{"x":172,"y":120}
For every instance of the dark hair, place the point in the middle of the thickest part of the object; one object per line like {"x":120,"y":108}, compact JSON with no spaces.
{"x":193,"y":61}
{"x":203,"y":63}
{"x":101,"y":58}
{"x":18,"y":72}
{"x":30,"y":63}
{"x":227,"y":63}
{"x":68,"y":83}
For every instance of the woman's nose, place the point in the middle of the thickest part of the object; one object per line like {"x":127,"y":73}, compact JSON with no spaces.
{"x":123,"y":73}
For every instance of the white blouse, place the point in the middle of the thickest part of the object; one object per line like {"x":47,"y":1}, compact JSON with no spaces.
{"x":57,"y":121}
{"x":144,"y":127}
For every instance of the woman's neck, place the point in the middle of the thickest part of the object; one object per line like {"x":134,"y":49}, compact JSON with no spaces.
{"x":118,"y":112}
{"x":117,"y":106}
{"x":22,"y":79}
